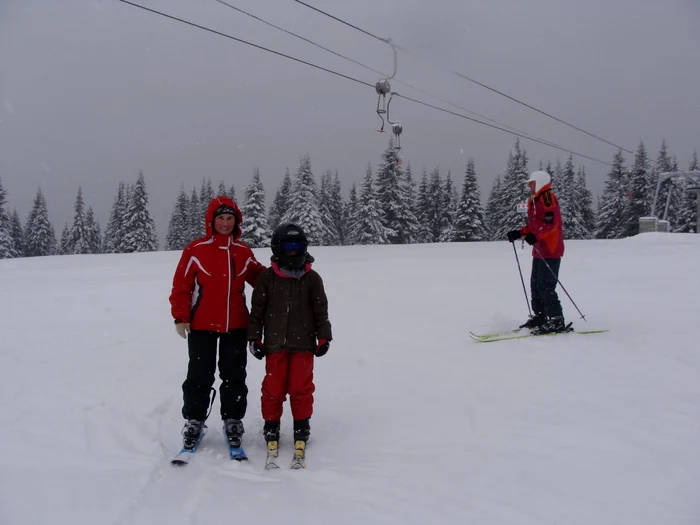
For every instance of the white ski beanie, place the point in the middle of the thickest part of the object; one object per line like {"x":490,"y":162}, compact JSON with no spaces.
{"x":541,"y":179}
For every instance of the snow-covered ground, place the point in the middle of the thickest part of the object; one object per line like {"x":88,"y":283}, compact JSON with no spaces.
{"x":414,"y":423}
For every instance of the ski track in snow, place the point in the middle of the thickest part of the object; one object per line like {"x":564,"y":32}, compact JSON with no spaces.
{"x":155,"y":475}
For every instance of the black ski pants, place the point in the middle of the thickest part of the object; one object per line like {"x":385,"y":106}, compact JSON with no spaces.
{"x":543,"y":285}
{"x":196,"y":389}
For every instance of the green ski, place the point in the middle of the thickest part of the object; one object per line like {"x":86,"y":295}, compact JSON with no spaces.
{"x":491,"y":338}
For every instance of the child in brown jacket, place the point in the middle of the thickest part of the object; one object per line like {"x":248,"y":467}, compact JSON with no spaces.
{"x":289,"y":326}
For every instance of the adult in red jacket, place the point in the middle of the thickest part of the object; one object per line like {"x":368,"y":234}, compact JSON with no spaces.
{"x":545,"y":234}
{"x":209,"y":306}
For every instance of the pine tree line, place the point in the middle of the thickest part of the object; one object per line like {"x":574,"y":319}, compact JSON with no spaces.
{"x":629,"y":195}
{"x":507,"y":203}
{"x":387,"y":207}
{"x":187,"y":221}
{"x":130,"y":227}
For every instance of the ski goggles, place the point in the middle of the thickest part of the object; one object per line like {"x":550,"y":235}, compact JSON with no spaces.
{"x":293,"y":247}
{"x":224,"y":209}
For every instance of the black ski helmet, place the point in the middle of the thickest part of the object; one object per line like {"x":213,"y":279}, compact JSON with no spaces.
{"x":293,"y":234}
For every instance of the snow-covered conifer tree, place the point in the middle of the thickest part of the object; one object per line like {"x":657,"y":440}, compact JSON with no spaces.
{"x":197,"y":227}
{"x":7,"y":244}
{"x":139,"y":229}
{"x":94,"y":233}
{"x":114,"y":232}
{"x":280,"y":204}
{"x":350,"y":216}
{"x":469,"y":216}
{"x":368,"y":227}
{"x":638,"y":204}
{"x":255,"y":229}
{"x":78,"y":240}
{"x":39,"y":235}
{"x":178,"y":235}
{"x":584,"y":218}
{"x":612,"y":204}
{"x":424,"y":211}
{"x":391,"y":193}
{"x":303,"y":204}
{"x":17,"y":234}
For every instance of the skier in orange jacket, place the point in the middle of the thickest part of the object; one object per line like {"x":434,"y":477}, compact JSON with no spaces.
{"x":545,"y":234}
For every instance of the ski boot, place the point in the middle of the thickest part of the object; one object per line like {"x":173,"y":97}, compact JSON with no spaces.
{"x":534,"y":321}
{"x":552,"y":325}
{"x":302,"y":429}
{"x":271,"y":432}
{"x":302,"y":432}
{"x":233,"y":428}
{"x":191,"y":433}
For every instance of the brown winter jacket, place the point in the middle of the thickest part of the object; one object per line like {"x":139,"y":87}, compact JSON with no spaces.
{"x":290,"y":313}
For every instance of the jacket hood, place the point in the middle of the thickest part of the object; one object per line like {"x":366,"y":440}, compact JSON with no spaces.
{"x":289,"y":273}
{"x":209,"y":217}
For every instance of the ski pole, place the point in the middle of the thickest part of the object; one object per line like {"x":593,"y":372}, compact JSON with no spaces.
{"x":558,"y":281}
{"x":521,"y":278}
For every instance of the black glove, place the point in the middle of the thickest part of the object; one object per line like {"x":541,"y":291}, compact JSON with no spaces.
{"x":255,"y":347}
{"x":530,"y":238}
{"x":322,"y":348}
{"x":513,"y":235}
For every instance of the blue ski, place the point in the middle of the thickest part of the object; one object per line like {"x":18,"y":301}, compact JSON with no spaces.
{"x":185,"y":455}
{"x":237,"y":453}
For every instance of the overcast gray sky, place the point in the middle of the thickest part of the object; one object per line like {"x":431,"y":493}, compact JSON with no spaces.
{"x":93,"y":91}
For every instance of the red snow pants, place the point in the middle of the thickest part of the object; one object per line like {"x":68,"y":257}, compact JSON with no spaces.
{"x":288,"y":373}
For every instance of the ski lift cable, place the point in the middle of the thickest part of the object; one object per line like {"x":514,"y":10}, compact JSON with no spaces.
{"x":309,"y":41}
{"x":358,"y":81}
{"x":300,"y":37}
{"x":346,"y":23}
{"x":566,"y":150}
{"x":494,"y":90}
{"x":231,"y":37}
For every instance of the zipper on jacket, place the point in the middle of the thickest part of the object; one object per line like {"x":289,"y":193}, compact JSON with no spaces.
{"x":289,"y":303}
{"x":228,"y":292}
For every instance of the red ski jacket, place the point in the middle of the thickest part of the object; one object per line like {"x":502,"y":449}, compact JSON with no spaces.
{"x":209,"y":283}
{"x":544,"y":220}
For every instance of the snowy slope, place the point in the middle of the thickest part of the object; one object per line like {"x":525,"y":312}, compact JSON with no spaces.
{"x":414,"y":422}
